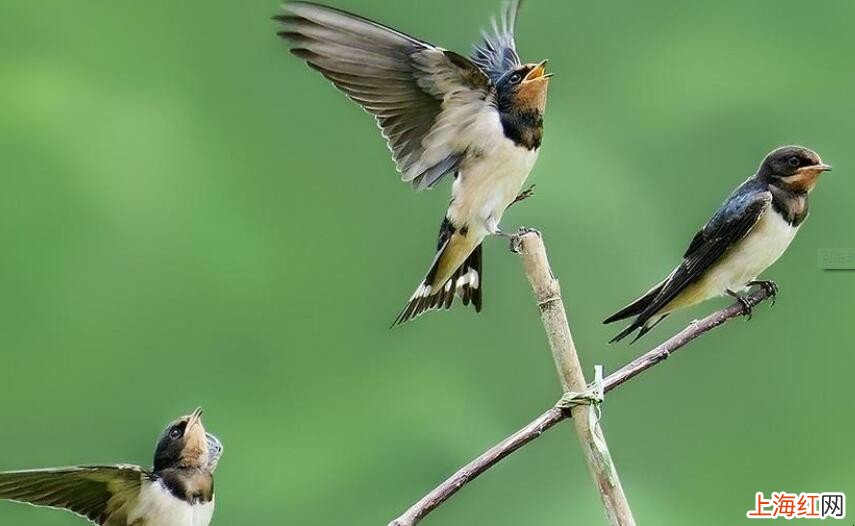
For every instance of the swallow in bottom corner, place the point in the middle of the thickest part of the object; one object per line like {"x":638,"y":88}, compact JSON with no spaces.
{"x":747,"y":234}
{"x":178,"y":491}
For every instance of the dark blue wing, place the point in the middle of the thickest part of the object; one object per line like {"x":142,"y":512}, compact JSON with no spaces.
{"x":734,"y":220}
{"x":498,"y":53}
{"x":742,"y":200}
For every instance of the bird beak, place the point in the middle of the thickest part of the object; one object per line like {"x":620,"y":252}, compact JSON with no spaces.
{"x":816,"y":168}
{"x":538,"y":73}
{"x":195,"y":418}
{"x":197,"y":448}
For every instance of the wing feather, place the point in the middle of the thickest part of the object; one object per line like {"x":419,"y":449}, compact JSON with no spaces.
{"x":424,"y":98}
{"x":497,"y":53}
{"x":93,"y":492}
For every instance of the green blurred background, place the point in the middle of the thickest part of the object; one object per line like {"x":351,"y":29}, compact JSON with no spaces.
{"x":190,"y":216}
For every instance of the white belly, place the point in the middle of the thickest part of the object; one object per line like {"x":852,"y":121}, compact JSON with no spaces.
{"x":158,"y":507}
{"x":488,"y":183}
{"x":747,"y":260}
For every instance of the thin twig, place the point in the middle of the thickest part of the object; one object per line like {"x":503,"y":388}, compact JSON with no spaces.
{"x":471,"y":471}
{"x":555,"y":415}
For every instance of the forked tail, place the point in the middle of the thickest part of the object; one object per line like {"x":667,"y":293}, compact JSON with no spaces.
{"x":431,"y":294}
{"x":639,"y":309}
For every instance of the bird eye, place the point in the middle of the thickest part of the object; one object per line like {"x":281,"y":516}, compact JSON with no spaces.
{"x":175,"y":433}
{"x":794,"y":161}
{"x":515,"y":78}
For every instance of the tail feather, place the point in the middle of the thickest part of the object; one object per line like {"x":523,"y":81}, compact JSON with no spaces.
{"x":626,"y":332}
{"x":464,"y":282}
{"x":471,"y":292}
{"x":636,"y":307}
{"x":643,"y":327}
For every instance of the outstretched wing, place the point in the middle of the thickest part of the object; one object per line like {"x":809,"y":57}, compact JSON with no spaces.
{"x":497,"y":54}
{"x":425,"y":98}
{"x":93,"y":492}
{"x":731,"y":224}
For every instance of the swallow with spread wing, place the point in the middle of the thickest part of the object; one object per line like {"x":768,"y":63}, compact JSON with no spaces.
{"x":178,"y":491}
{"x":479,"y":118}
{"x":747,"y":234}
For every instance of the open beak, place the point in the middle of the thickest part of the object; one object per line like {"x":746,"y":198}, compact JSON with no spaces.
{"x":195,"y":418}
{"x":538,"y":73}
{"x":197,"y":447}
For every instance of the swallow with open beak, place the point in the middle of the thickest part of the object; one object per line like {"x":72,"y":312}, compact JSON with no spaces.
{"x":479,"y":118}
{"x":747,"y":234}
{"x":178,"y":491}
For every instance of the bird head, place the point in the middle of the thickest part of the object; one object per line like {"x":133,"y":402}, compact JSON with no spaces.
{"x":523,"y":89}
{"x":793,"y":167}
{"x":186,"y":444}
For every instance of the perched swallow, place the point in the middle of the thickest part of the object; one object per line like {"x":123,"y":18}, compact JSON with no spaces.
{"x":478,"y":118}
{"x":179,"y":491}
{"x":747,"y":234}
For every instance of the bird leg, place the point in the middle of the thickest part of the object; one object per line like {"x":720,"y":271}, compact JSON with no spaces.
{"x":525,"y":194}
{"x":769,"y":286}
{"x":746,"y":306}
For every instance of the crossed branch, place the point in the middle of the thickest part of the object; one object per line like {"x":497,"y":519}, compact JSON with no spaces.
{"x":602,"y":468}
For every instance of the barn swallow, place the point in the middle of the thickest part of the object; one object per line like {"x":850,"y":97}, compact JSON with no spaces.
{"x":479,"y":118}
{"x":178,"y":491}
{"x":747,"y":234}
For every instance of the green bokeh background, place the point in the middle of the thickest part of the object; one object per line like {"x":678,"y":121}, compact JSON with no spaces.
{"x":189,"y":216}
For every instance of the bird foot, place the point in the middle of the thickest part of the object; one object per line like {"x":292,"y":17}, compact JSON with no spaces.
{"x":769,"y":286}
{"x":515,"y":240}
{"x":747,"y":310}
{"x":525,"y":194}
